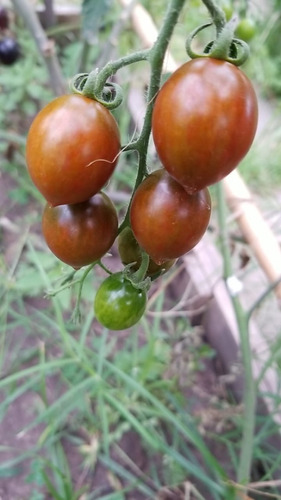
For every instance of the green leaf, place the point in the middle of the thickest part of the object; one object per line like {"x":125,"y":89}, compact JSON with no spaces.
{"x":10,"y":471}
{"x":92,"y":14}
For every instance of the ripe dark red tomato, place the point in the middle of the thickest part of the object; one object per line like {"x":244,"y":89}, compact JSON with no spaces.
{"x":166,"y":220}
{"x":72,"y":149}
{"x":4,"y":18}
{"x":118,"y":303}
{"x":204,"y":121}
{"x":9,"y":51}
{"x":82,"y":233}
{"x":130,"y":251}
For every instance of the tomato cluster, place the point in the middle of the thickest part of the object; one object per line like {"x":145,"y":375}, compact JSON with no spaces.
{"x":203,"y":123}
{"x":71,"y":151}
{"x":9,"y":47}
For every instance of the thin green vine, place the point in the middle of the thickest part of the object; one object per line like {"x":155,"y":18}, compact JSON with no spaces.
{"x":156,"y":57}
{"x":249,"y":399}
{"x":217,"y":14}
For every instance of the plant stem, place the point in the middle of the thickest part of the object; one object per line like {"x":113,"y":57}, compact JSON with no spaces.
{"x":139,"y":275}
{"x":156,"y":59}
{"x":216,"y":13}
{"x":76,"y":313}
{"x":112,"y":67}
{"x":45,"y":46}
{"x":249,"y":397}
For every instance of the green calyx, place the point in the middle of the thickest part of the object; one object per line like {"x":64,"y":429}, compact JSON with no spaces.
{"x":109,"y":94}
{"x":138,"y":279}
{"x":225,"y":47}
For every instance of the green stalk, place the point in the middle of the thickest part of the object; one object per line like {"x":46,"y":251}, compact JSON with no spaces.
{"x":249,"y":397}
{"x":216,"y":13}
{"x":156,"y":57}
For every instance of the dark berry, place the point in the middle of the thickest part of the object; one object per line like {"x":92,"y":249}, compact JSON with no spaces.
{"x":9,"y":51}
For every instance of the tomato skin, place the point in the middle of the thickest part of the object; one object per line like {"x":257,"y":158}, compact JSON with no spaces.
{"x":204,"y":121}
{"x":166,"y":220}
{"x":130,"y":251}
{"x":118,"y":304}
{"x":72,"y":149}
{"x":82,"y":233}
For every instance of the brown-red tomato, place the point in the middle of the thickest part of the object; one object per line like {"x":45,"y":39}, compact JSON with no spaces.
{"x":72,"y":149}
{"x":166,"y":220}
{"x":204,"y":121}
{"x":82,"y":233}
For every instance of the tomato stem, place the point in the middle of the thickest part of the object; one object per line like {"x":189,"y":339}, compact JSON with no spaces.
{"x":225,"y":46}
{"x":156,"y":57}
{"x":76,"y":316}
{"x":94,"y":84}
{"x":217,"y":14}
{"x":249,"y":397}
{"x":139,"y":275}
{"x":104,"y":267}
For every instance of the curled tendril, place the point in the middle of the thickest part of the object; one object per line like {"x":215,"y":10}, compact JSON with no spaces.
{"x":188,"y":44}
{"x":224,"y":47}
{"x":78,"y":82}
{"x":87,"y":84}
{"x":112,"y":95}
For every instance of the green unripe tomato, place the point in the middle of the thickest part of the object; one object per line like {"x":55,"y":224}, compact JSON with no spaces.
{"x":118,"y":304}
{"x":246,"y":29}
{"x":228,"y":10}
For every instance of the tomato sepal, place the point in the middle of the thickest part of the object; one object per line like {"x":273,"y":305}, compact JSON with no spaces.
{"x":136,"y":279}
{"x":224,"y":47}
{"x":86,"y":84}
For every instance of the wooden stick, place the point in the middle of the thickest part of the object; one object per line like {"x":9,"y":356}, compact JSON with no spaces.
{"x":255,"y":229}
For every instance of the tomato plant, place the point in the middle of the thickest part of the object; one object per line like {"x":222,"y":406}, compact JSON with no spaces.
{"x":166,"y":220}
{"x":72,"y":149}
{"x":118,"y":303}
{"x":130,"y":252}
{"x":204,"y":121}
{"x":82,"y":233}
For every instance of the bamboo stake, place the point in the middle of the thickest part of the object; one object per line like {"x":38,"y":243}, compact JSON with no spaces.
{"x":255,"y":229}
